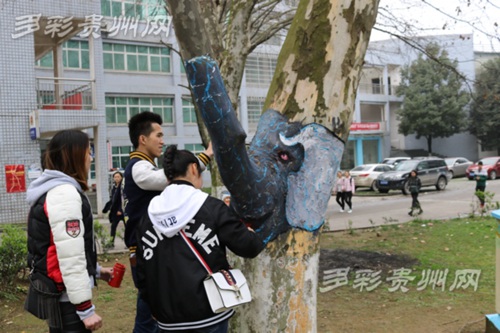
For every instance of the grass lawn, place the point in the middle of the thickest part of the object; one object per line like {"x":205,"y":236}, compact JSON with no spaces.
{"x":454,"y":245}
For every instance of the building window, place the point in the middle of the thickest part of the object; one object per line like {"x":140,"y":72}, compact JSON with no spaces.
{"x":260,"y":69}
{"x":254,"y":111}
{"x":75,"y":55}
{"x":135,"y":58}
{"x":120,"y":156}
{"x":143,"y":10}
{"x":120,"y":109}
{"x":195,"y":148}
{"x":188,"y":111}
{"x":46,"y":61}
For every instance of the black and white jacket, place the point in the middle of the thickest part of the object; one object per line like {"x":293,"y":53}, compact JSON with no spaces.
{"x":170,"y":277}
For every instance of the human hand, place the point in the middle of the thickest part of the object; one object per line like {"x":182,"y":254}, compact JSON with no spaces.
{"x":209,"y":151}
{"x":93,"y":322}
{"x":118,"y":213}
{"x":106,"y":273}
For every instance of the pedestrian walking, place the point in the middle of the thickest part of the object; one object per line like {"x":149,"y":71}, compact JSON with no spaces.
{"x":115,"y":206}
{"x":349,"y":189}
{"x":339,"y":191}
{"x":414,"y":185}
{"x":481,"y":175}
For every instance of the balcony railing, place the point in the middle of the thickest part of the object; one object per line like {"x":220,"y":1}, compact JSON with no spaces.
{"x":65,"y":94}
{"x":376,"y":89}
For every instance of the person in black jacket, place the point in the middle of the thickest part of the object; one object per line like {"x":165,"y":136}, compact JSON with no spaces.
{"x":115,"y":211}
{"x":414,"y":185}
{"x":170,"y":278}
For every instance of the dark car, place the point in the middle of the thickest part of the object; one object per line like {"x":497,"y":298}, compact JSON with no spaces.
{"x":490,"y":164}
{"x":431,"y":171}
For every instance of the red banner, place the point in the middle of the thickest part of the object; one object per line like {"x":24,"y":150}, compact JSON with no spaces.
{"x":15,"y":179}
{"x":365,"y":126}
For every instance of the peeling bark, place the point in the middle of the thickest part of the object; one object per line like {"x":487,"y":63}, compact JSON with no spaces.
{"x":316,"y":79}
{"x":319,"y":67}
{"x":317,"y":75}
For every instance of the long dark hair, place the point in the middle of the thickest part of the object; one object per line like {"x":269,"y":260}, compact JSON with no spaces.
{"x":176,"y":162}
{"x":67,"y":152}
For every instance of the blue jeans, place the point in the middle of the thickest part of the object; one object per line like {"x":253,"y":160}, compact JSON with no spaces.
{"x":221,"y":327}
{"x":144,"y":322}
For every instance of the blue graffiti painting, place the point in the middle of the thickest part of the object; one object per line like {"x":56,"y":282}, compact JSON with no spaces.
{"x":284,"y":179}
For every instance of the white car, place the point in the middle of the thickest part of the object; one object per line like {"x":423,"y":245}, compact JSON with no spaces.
{"x":392,"y":161}
{"x":365,"y":175}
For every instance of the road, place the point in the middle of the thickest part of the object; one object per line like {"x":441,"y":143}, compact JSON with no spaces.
{"x":371,"y":210}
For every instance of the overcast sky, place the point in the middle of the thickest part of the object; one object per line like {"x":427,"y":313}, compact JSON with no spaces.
{"x":479,"y":17}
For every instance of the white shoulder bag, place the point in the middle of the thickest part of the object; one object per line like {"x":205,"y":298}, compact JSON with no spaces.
{"x":225,"y":289}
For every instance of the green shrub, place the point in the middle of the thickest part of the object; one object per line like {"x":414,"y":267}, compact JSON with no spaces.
{"x":13,"y":254}
{"x":103,"y":237}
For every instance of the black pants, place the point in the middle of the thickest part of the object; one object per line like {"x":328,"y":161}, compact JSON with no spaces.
{"x":340,"y":199}
{"x":114,"y":225}
{"x":481,"y":197}
{"x":414,"y":202}
{"x":348,"y":199}
{"x":70,"y":320}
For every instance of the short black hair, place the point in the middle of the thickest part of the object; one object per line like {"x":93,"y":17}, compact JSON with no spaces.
{"x":480,"y":163}
{"x":141,"y":124}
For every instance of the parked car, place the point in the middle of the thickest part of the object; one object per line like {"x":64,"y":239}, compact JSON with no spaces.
{"x":490,"y":164}
{"x":392,"y":161}
{"x":457,"y":166}
{"x":431,"y":171}
{"x":366,"y":175}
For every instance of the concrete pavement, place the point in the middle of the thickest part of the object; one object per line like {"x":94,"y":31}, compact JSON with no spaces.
{"x":370,"y":209}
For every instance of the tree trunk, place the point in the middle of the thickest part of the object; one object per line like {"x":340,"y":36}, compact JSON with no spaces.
{"x":283,"y":281}
{"x":316,"y":79}
{"x":429,"y":145}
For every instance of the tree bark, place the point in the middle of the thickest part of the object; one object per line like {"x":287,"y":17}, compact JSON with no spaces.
{"x":316,"y":79}
{"x":319,"y":66}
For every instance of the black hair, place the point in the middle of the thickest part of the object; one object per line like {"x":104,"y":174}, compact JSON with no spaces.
{"x":118,"y":172}
{"x":141,"y":124}
{"x":176,"y":162}
{"x":416,"y":173}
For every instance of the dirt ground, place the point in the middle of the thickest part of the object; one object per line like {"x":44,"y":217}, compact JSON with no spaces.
{"x":342,"y":310}
{"x":339,"y":310}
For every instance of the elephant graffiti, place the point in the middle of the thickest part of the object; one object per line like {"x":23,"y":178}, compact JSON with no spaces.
{"x":285,"y":177}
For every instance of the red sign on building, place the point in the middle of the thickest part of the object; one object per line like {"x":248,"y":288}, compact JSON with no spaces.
{"x":365,"y":126}
{"x":15,"y":179}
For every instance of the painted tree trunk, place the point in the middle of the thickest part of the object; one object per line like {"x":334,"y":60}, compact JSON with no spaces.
{"x":284,"y":282}
{"x":316,"y":79}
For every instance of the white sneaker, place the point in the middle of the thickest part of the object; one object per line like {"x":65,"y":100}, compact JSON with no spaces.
{"x":341,"y":210}
{"x":349,"y":211}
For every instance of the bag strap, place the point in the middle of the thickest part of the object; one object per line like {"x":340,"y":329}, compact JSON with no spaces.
{"x":196,"y":253}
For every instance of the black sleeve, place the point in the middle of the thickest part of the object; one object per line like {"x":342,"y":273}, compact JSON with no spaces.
{"x":234,"y":234}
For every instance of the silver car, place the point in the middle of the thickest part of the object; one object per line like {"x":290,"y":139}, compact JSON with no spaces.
{"x":457,"y":166}
{"x":365,"y":175}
